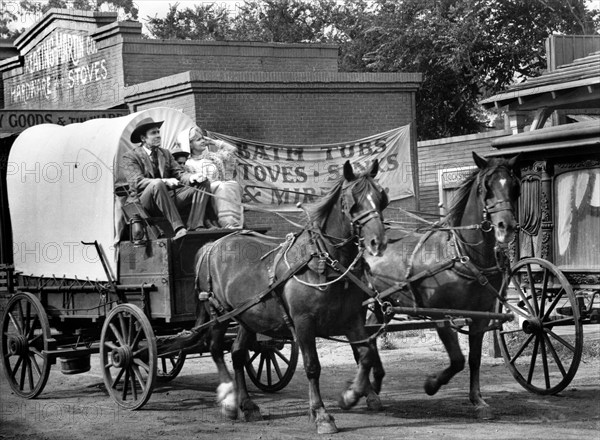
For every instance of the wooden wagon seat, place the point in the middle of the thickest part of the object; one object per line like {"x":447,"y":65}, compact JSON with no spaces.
{"x":156,"y":227}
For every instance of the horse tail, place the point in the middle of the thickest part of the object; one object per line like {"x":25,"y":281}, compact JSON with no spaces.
{"x":203,"y":281}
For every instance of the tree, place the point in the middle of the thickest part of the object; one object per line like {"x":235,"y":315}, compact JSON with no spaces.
{"x":204,"y":22}
{"x":466,"y":49}
{"x":7,"y":16}
{"x":126,"y":8}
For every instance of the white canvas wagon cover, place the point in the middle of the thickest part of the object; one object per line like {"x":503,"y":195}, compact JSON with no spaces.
{"x":61,"y":192}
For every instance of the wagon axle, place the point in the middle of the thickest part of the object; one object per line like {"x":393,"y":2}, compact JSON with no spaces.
{"x":122,"y":357}
{"x":532,"y":326}
{"x":18,"y":345}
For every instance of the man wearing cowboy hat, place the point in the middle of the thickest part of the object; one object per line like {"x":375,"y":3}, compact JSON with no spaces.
{"x":180,"y":156}
{"x":159,"y":182}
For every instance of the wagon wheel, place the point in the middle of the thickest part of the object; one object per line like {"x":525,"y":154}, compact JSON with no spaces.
{"x":170,"y":366}
{"x":25,"y":334}
{"x":542,"y":347}
{"x":272,"y":363}
{"x":128,"y":356}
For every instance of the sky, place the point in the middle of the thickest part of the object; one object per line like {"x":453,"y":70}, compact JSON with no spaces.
{"x":159,"y":8}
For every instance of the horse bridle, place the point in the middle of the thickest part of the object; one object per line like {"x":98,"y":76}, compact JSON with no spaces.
{"x":497,"y":206}
{"x":359,"y":220}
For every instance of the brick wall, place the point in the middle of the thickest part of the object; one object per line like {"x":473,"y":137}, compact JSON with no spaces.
{"x":439,"y":154}
{"x":147,"y":60}
{"x":302,"y":118}
{"x":287,"y":108}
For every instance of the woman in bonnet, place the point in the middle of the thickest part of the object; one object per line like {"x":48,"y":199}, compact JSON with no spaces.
{"x":215,"y":160}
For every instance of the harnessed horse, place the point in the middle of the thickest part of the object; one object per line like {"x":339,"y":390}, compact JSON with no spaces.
{"x":457,"y":265}
{"x":303,"y":292}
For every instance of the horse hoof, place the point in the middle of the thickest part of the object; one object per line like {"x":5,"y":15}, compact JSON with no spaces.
{"x":229,"y":411}
{"x":252,"y":415}
{"x":374,"y":402}
{"x":431,"y":385}
{"x":348,"y":399}
{"x":484,"y":413}
{"x":326,"y":426}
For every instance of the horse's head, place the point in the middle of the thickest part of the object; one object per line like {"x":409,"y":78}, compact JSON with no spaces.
{"x":362,"y":201}
{"x":499,"y":188}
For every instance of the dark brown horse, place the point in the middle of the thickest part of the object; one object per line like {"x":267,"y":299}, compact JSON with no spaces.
{"x":488,"y":199}
{"x":308,"y":305}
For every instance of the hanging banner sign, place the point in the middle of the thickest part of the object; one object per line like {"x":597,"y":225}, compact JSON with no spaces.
{"x":15,"y":121}
{"x":283,"y":175}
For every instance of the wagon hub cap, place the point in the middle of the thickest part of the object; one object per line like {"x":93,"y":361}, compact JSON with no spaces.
{"x":18,"y":345}
{"x":121,"y":357}
{"x":532,"y":326}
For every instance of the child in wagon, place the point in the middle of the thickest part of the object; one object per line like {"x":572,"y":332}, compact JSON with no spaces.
{"x":216,"y":160}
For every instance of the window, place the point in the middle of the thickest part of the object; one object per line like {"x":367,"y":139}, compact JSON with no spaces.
{"x":577,"y":216}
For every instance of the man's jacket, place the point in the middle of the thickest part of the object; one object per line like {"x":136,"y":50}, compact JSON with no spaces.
{"x":139,"y":171}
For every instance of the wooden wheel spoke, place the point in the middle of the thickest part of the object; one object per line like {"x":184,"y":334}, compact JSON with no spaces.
{"x":36,"y":352}
{"x":554,"y":322}
{"x":557,"y":360}
{"x":559,"y":339}
{"x":559,"y":295}
{"x":546,"y":277}
{"x":521,"y":348}
{"x":142,"y":364}
{"x":516,"y":310}
{"x":30,"y":373}
{"x":124,"y":334}
{"x":117,"y":334}
{"x":276,"y":366}
{"x":532,"y":289}
{"x":28,"y":317}
{"x":130,"y":332}
{"x":22,"y":317}
{"x":260,"y":366}
{"x":140,"y":378}
{"x":7,"y":364}
{"x":254,"y":356}
{"x":140,"y":351}
{"x":281,"y":356}
{"x":136,"y":340}
{"x":17,"y":365}
{"x":507,"y":332}
{"x":133,"y":387}
{"x":163,"y":361}
{"x":125,"y":384}
{"x":23,"y":373}
{"x":110,"y":345}
{"x":117,"y":378}
{"x":35,"y":364}
{"x":533,"y":359}
{"x":15,"y":323}
{"x":35,"y":320}
{"x":523,"y":296}
{"x":35,"y":338}
{"x":545,"y":361}
{"x":268,"y":369}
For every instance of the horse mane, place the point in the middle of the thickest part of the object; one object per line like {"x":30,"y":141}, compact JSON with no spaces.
{"x":460,"y":199}
{"x":321,"y":209}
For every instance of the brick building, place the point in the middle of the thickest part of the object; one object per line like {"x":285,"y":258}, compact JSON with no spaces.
{"x":76,"y":61}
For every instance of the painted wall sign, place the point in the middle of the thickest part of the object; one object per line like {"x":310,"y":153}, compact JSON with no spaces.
{"x":15,"y":121}
{"x":65,"y":68}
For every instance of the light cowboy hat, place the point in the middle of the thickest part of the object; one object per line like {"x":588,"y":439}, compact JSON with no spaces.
{"x":177,"y":151}
{"x":142,"y":128}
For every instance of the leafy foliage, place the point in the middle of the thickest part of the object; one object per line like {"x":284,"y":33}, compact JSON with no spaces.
{"x":465,"y":49}
{"x":203,"y":22}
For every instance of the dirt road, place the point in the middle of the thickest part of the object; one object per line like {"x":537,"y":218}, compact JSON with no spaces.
{"x":75,"y":407}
